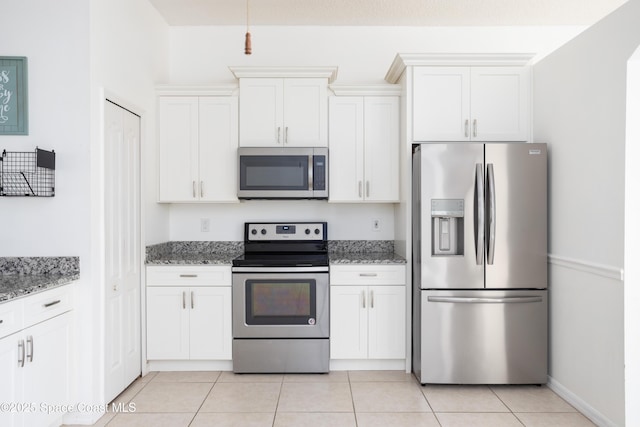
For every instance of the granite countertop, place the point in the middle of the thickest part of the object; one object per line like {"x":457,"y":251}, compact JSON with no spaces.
{"x":22,"y":276}
{"x":193,"y":253}
{"x":366,"y":258}
{"x":222,"y":253}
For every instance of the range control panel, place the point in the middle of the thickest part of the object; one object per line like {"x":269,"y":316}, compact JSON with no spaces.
{"x":285,"y":231}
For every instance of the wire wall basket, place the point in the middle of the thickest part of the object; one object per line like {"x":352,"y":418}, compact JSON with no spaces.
{"x":28,"y":173}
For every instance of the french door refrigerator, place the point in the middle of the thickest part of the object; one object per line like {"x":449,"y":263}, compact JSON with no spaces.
{"x":480,"y":263}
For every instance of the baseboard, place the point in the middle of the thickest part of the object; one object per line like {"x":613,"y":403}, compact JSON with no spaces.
{"x":574,"y":400}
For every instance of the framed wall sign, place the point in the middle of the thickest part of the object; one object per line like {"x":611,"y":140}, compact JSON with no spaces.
{"x":13,"y":96}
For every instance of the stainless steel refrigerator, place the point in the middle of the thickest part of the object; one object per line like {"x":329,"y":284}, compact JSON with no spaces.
{"x":480,"y":263}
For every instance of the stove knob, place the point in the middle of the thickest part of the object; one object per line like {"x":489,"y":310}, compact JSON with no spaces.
{"x":317,"y":231}
{"x":263,"y":231}
{"x":254,"y":231}
{"x":307,"y":231}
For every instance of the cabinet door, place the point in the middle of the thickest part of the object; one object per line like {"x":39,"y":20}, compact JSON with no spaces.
{"x":178,"y":149}
{"x":167,"y":323}
{"x":387,"y":322}
{"x":47,"y":368}
{"x":218,"y":161}
{"x":348,"y":322}
{"x":346,"y":149}
{"x":381,"y":142}
{"x":499,"y":106}
{"x":440,"y":104}
{"x":10,"y":372}
{"x":261,"y":112}
{"x":305,"y":112}
{"x":210,"y":323}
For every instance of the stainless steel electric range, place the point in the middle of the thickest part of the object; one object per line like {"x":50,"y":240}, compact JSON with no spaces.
{"x":281,"y":299}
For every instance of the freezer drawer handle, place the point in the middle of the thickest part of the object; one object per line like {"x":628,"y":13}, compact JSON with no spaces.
{"x":188,"y":275}
{"x":368,"y":274}
{"x":474,"y":300}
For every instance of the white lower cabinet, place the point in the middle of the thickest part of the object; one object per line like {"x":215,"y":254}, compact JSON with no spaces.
{"x":368,"y":313}
{"x":35,"y":362}
{"x":189,"y":313}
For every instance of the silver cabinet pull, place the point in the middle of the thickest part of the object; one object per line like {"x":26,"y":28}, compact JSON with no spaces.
{"x":188,"y":275}
{"x":192,"y":300}
{"x":278,"y":134}
{"x":49,"y":304}
{"x":367,"y":188}
{"x":364,"y":300}
{"x":371,"y":298}
{"x":21,"y":353}
{"x":466,"y":128}
{"x":475,"y":128}
{"x":201,"y":188}
{"x":359,"y":188}
{"x":368,"y":274}
{"x":194,"y":189}
{"x":184,"y":302}
{"x":30,"y":348}
{"x":286,"y":135}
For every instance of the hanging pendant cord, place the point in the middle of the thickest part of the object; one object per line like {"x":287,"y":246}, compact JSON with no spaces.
{"x":247,"y":36}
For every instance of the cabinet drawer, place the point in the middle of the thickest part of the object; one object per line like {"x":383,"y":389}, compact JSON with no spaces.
{"x":10,"y":317}
{"x":367,"y":275}
{"x":189,"y":276}
{"x":48,"y":304}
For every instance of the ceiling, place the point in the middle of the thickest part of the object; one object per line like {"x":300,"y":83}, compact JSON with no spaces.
{"x":385,"y":12}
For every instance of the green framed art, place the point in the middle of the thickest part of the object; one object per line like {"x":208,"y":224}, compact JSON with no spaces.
{"x":13,"y":96}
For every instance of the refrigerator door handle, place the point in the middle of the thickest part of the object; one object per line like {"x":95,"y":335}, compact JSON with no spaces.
{"x":475,"y":300}
{"x":492,"y":214}
{"x":479,"y":215}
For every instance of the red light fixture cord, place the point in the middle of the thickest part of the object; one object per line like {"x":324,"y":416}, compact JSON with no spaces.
{"x":247,"y":36}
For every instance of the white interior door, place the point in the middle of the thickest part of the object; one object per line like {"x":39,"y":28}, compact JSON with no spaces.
{"x":122,"y":251}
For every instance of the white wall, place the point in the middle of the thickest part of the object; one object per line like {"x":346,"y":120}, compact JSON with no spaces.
{"x":579,"y":109}
{"x":54,"y":38}
{"x":632,"y":244}
{"x":345,"y":221}
{"x":202,"y":55}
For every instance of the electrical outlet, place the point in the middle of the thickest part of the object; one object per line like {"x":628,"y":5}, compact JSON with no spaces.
{"x":205,"y":225}
{"x":375,"y":225}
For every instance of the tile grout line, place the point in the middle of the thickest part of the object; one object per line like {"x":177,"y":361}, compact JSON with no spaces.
{"x":205,"y":398}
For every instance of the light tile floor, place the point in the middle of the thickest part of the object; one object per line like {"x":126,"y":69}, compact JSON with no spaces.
{"x":340,"y":398}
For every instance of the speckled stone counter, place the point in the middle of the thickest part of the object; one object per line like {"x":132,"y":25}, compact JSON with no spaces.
{"x":21,"y":276}
{"x":193,"y":253}
{"x":222,"y":253}
{"x":363,"y":252}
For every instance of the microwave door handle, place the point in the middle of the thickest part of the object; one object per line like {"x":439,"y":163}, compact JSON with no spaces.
{"x":310,"y":173}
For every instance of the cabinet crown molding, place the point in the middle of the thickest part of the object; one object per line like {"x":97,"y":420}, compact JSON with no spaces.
{"x":330,"y":73}
{"x":367,"y":90}
{"x":196,"y":90}
{"x":404,"y":60}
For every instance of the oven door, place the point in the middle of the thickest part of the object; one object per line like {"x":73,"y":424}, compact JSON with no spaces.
{"x":282,"y":304}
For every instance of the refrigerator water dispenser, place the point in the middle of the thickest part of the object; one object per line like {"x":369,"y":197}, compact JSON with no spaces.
{"x":447,"y":227}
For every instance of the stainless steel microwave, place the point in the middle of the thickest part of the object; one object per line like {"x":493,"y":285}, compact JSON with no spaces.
{"x":283,"y":173}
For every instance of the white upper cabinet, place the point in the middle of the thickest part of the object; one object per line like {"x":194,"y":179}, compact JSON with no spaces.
{"x":198,"y":148}
{"x":471,"y":103}
{"x":277,"y":112}
{"x":363,"y":148}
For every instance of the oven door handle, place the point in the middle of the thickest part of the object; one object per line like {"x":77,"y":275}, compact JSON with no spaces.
{"x":316,"y":269}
